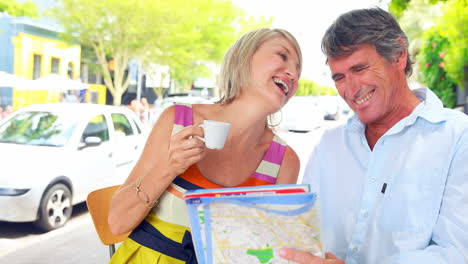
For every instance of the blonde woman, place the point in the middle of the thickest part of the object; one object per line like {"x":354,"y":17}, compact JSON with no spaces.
{"x":259,"y":75}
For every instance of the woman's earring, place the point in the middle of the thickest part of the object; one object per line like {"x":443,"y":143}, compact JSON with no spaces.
{"x":273,"y":119}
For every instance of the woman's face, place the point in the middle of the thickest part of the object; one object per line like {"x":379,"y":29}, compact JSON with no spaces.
{"x":274,"y":72}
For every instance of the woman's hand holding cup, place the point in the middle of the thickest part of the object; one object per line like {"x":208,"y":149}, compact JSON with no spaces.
{"x":185,"y":149}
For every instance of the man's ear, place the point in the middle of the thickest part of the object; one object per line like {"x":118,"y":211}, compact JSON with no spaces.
{"x":402,"y":59}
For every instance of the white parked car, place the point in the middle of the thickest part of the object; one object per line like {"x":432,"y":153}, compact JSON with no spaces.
{"x":171,"y":99}
{"x":187,"y":98}
{"x":300,"y":114}
{"x":330,"y":106}
{"x":53,"y":155}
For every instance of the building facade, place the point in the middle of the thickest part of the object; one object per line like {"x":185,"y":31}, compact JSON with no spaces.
{"x":33,"y":49}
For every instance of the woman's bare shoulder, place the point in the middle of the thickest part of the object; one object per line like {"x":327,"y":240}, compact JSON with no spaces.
{"x":162,"y":129}
{"x":289,"y":171}
{"x":166,"y":118}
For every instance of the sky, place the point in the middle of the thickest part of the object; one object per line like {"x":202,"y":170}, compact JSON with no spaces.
{"x":307,"y":20}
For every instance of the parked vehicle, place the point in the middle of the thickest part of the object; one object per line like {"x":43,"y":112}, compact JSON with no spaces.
{"x":187,"y":98}
{"x":344,"y":107}
{"x":330,"y":106}
{"x":301,"y":114}
{"x":53,"y":155}
{"x":184,"y":98}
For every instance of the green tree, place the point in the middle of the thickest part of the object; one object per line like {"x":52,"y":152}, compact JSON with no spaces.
{"x":308,"y":87}
{"x":178,"y":33}
{"x":202,"y":39}
{"x":448,"y":20}
{"x":398,"y":7}
{"x":454,"y":27}
{"x":417,"y":18}
{"x":432,"y":65}
{"x":17,"y":9}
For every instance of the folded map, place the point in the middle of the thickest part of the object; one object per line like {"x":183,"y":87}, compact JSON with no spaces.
{"x":250,"y":224}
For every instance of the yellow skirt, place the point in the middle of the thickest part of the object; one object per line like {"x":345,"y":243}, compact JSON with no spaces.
{"x":131,"y":251}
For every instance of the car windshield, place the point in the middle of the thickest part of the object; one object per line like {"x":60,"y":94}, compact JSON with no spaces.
{"x":39,"y":128}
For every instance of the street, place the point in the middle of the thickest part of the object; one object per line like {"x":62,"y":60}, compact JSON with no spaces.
{"x":77,"y":242}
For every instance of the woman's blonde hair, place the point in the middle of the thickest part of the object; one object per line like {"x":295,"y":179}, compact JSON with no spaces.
{"x":235,"y":69}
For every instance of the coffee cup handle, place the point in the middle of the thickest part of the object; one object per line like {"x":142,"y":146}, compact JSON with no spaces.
{"x":202,"y":139}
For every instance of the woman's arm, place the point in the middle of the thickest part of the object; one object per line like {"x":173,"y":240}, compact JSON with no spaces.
{"x":163,"y":158}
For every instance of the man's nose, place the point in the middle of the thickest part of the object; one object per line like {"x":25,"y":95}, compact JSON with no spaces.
{"x":352,"y":85}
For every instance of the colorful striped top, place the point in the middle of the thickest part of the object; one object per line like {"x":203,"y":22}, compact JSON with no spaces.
{"x":171,"y":206}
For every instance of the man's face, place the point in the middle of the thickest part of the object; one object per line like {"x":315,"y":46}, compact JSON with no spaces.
{"x":367,"y":82}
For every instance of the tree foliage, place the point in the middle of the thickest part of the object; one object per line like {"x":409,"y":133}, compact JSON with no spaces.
{"x":308,"y":87}
{"x":398,"y":7}
{"x":14,"y":8}
{"x":432,"y":65}
{"x":450,"y":23}
{"x":444,"y":43}
{"x":178,"y":33}
{"x":417,"y":18}
{"x":453,"y":25}
{"x":207,"y":29}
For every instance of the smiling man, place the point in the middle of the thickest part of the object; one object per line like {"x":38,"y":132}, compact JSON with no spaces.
{"x":393,"y":181}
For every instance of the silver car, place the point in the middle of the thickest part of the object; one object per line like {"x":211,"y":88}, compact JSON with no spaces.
{"x":53,"y":155}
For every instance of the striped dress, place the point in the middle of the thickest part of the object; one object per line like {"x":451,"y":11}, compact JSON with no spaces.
{"x":164,"y":236}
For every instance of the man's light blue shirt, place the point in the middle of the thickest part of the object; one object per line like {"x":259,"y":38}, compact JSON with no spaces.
{"x":421,"y":215}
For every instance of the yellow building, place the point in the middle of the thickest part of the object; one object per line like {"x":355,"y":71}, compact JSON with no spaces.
{"x":32,"y":50}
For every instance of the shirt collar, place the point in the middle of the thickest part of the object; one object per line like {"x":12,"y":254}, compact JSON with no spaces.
{"x":431,"y":106}
{"x":429,"y":109}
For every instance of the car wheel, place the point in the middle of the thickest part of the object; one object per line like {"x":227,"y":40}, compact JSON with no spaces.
{"x":55,"y":208}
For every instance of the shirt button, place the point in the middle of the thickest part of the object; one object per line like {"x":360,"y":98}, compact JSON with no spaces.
{"x":365,"y":214}
{"x":355,"y":249}
{"x":372,"y":179}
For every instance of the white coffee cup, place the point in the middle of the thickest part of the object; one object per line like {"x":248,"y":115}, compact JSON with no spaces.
{"x":215,"y":133}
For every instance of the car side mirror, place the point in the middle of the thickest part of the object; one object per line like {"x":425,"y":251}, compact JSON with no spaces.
{"x":90,"y":142}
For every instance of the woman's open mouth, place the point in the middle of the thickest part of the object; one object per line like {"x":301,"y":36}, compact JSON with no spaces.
{"x":282,"y":85}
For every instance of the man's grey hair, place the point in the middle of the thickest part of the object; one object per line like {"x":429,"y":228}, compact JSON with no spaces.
{"x":235,"y":69}
{"x":366,"y":26}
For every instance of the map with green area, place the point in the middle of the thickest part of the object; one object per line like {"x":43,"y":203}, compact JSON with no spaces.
{"x":263,"y":255}
{"x":248,"y":235}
